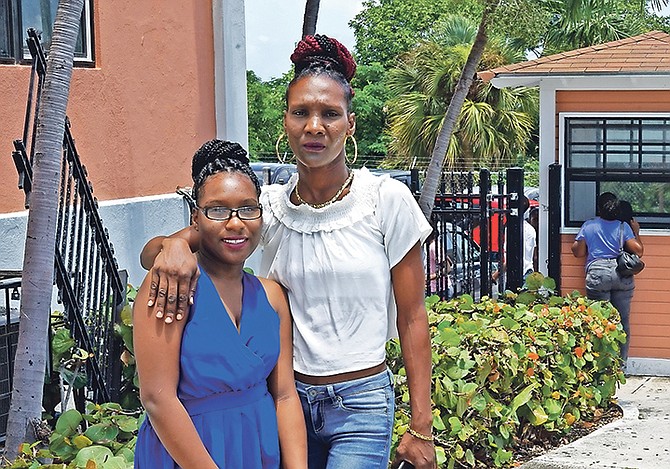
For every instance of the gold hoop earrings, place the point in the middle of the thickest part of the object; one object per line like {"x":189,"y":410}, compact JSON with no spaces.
{"x":280,"y":158}
{"x":353,"y":140}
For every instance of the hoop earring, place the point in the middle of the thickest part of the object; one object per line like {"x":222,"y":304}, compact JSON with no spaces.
{"x":353,"y":140}
{"x":280,"y":158}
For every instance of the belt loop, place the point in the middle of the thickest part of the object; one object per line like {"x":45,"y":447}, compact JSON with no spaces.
{"x":331,"y":392}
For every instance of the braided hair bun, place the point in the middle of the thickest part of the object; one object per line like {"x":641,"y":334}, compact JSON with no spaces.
{"x":326,"y":52}
{"x":215,"y":156}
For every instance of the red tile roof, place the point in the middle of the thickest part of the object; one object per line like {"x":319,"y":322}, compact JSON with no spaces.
{"x":646,"y":54}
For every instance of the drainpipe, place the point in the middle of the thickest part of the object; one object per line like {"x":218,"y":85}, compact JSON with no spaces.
{"x":230,"y":71}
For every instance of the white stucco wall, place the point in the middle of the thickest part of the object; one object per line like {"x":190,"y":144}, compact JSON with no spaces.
{"x":130,"y":222}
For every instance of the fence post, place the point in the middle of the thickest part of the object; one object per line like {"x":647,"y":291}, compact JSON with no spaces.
{"x":554,"y":241}
{"x":484,"y":221}
{"x":514,"y":231}
{"x":415,"y":184}
{"x":120,"y":301}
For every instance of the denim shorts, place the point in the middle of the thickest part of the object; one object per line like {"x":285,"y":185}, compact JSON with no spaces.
{"x":349,"y":424}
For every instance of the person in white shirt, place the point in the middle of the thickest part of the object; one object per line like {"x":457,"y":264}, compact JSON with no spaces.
{"x":347,"y":247}
{"x":529,"y":241}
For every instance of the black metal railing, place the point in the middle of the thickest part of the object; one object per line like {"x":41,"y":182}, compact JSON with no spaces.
{"x":10,"y":293}
{"x":90,"y":285}
{"x":476,"y":246}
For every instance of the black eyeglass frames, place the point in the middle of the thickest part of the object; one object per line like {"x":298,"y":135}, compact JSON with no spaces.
{"x":220,"y":213}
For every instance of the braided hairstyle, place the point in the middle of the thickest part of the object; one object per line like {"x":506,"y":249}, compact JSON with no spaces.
{"x":322,"y":55}
{"x":216,"y":156}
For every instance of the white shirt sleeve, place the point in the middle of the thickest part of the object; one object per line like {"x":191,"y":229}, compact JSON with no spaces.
{"x":401,"y":220}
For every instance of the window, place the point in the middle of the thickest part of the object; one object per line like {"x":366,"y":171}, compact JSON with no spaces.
{"x":627,"y":156}
{"x":16,"y":16}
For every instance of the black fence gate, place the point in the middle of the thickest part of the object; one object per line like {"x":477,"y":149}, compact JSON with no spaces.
{"x":477,"y":243}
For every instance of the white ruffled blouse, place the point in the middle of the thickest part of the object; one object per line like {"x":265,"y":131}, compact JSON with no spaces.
{"x":335,"y":263}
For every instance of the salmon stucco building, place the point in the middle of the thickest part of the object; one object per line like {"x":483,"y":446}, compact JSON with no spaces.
{"x":152,"y":81}
{"x":605,"y":126}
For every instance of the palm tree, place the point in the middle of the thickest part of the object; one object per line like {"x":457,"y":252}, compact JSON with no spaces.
{"x":443,"y":142}
{"x":310,"y":18}
{"x":439,"y":153}
{"x":582,"y":23}
{"x":38,"y":264}
{"x":493,"y":126}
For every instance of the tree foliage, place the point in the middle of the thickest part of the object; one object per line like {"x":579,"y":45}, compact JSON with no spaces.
{"x":369,"y":105}
{"x":266,"y":103}
{"x":494,"y":126}
{"x":384,"y":29}
{"x":579,"y":23}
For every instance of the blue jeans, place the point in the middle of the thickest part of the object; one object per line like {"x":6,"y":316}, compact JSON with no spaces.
{"x":349,"y":424}
{"x":604,"y":283}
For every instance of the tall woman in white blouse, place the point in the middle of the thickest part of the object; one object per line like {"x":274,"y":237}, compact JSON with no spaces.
{"x":346,"y":245}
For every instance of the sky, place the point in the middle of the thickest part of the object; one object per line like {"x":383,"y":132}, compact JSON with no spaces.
{"x":273,"y":27}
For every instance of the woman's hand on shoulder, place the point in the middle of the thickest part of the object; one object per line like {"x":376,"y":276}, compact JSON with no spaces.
{"x":174,"y":276}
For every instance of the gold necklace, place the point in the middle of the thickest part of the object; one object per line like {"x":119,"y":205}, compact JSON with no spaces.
{"x":323,"y":204}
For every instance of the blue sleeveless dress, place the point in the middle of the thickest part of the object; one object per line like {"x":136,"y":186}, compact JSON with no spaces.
{"x":222,"y":382}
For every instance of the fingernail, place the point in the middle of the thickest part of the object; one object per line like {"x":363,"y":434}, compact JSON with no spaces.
{"x":190,"y":300}
{"x":150,"y":303}
{"x":179,"y":316}
{"x":159,"y":314}
{"x":168,"y":319}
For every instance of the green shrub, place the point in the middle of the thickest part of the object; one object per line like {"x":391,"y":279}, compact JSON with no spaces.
{"x":106,"y":441}
{"x":503,"y":369}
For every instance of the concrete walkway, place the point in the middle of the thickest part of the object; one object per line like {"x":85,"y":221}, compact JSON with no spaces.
{"x":639,"y":440}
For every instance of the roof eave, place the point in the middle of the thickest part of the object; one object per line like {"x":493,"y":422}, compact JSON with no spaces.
{"x":512,"y":80}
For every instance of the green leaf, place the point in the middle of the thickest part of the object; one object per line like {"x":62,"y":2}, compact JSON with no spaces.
{"x":456,"y":425}
{"x":117,"y":462}
{"x":127,"y":454}
{"x":553,"y":407}
{"x":68,"y":422}
{"x":102,"y":432}
{"x":438,"y":424}
{"x":523,"y":397}
{"x":510,"y":324}
{"x":526,"y":298}
{"x":126,"y":423}
{"x":97,"y":454}
{"x":62,"y":342}
{"x":449,"y":337}
{"x":81,"y":441}
{"x":478,"y":402}
{"x":549,"y":283}
{"x":469,"y":457}
{"x":537,"y":415}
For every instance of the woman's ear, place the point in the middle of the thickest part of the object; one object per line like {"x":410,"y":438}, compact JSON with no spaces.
{"x":352,"y":124}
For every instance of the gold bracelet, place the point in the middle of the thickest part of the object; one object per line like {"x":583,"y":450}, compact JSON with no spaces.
{"x":418,"y":435}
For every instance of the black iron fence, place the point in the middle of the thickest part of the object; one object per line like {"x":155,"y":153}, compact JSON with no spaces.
{"x":476,"y":246}
{"x":477,"y":242}
{"x":10,"y":294}
{"x":90,"y":285}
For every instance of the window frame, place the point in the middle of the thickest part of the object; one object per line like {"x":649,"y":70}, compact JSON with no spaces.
{"x":18,"y":50}
{"x":599,"y":174}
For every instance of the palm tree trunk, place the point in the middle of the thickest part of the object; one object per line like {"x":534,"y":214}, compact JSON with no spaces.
{"x":38,"y":262}
{"x":437,"y":158}
{"x":310,"y":18}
